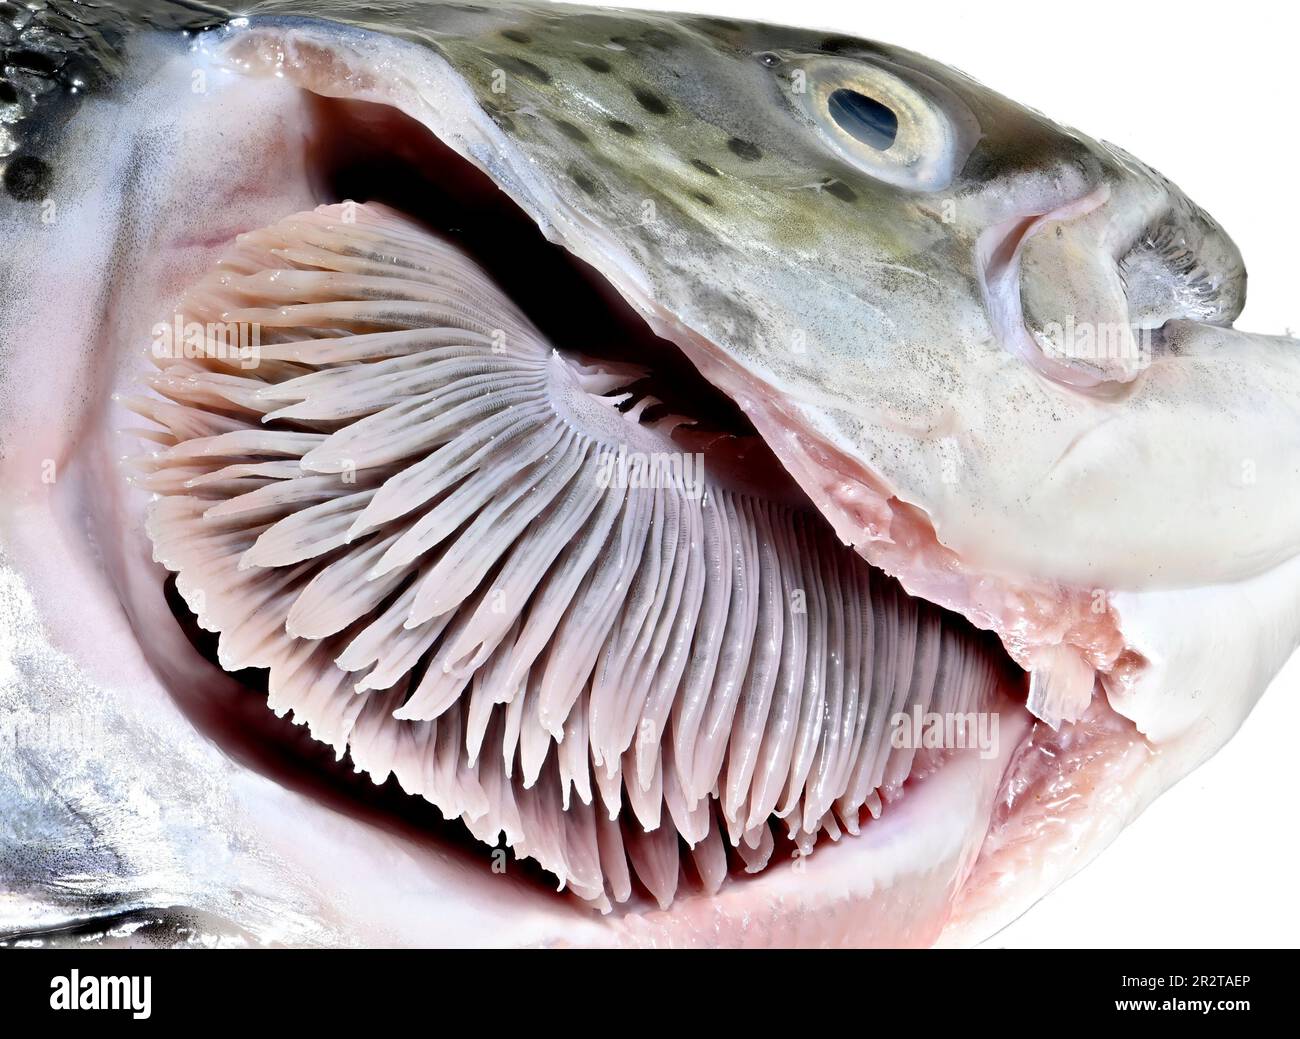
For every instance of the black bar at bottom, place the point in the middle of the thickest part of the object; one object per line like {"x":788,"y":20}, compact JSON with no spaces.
{"x":596,"y":992}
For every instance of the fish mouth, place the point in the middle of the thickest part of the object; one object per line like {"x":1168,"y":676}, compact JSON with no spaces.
{"x":370,"y":152}
{"x":907,"y":859}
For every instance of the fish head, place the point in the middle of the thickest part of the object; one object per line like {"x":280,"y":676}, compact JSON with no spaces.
{"x":994,"y":355}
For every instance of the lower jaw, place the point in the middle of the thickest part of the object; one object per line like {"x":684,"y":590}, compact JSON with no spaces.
{"x":894,"y":885}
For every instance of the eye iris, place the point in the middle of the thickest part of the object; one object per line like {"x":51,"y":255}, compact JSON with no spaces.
{"x":864,"y":118}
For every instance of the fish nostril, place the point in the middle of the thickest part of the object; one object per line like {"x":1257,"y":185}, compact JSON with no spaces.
{"x":864,"y":118}
{"x":1174,"y":271}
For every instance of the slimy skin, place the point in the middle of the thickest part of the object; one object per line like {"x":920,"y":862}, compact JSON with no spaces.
{"x":989,"y":355}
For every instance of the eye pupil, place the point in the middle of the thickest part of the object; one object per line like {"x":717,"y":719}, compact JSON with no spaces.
{"x":864,"y":118}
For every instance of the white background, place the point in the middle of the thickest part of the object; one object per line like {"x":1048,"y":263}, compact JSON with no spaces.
{"x":1207,"y":94}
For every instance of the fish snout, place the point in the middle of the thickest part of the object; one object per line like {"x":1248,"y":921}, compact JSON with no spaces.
{"x":1084,"y":291}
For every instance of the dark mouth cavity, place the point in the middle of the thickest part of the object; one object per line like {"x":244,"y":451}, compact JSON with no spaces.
{"x":374,"y":153}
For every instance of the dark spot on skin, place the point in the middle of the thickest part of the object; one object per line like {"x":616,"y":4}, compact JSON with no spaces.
{"x":651,"y":102}
{"x":596,"y":64}
{"x":700,"y":196}
{"x":840,"y":190}
{"x":516,"y":35}
{"x":572,"y":132}
{"x":620,"y":41}
{"x":1032,"y":147}
{"x":33,"y":61}
{"x":626,"y":129}
{"x":838,"y":44}
{"x":27,"y":178}
{"x":747,"y":150}
{"x":8,"y":95}
{"x":704,"y":167}
{"x":584,"y":182}
{"x":522,"y":67}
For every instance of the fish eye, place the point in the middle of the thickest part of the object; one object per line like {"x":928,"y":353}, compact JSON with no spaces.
{"x":895,"y":125}
{"x":864,"y":118}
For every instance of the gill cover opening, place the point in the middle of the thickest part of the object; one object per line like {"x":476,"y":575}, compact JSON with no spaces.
{"x":894,"y":124}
